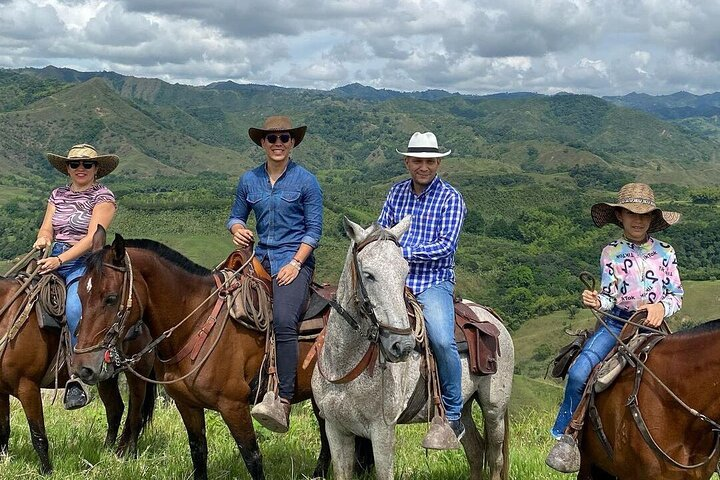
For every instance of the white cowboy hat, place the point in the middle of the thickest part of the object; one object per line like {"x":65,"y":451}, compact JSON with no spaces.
{"x":423,"y":145}
{"x":105,"y":163}
{"x":637,"y":198}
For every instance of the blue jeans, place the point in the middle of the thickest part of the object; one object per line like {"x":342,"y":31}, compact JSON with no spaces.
{"x":593,"y":352}
{"x":70,"y":272}
{"x":439,"y":312}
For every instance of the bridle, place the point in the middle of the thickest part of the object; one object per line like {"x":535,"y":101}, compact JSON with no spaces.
{"x":373,"y":329}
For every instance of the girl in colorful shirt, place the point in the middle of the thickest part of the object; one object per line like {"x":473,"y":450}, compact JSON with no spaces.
{"x":72,"y":216}
{"x":638,"y":273}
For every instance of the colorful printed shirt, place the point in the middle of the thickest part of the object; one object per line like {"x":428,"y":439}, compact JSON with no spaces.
{"x":73,"y":210}
{"x":634,"y":275}
{"x":429,"y":245}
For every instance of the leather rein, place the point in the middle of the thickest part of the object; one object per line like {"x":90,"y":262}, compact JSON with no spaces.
{"x":374,"y":329}
{"x":112,"y":338}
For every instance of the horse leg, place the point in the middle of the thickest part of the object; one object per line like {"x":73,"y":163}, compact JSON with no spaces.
{"x":383,"y":443}
{"x":473,"y":443}
{"x":496,"y":434}
{"x":29,"y":396}
{"x":4,"y":423}
{"x":109,"y":393}
{"x":237,"y":418}
{"x":194,"y":420}
{"x":323,"y":462}
{"x":134,"y":421}
{"x":342,"y":449}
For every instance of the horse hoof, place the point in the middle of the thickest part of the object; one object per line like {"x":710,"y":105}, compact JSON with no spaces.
{"x":564,"y":456}
{"x":440,"y":436}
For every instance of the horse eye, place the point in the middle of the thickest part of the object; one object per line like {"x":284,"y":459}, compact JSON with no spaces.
{"x":369,"y":276}
{"x":111,"y":300}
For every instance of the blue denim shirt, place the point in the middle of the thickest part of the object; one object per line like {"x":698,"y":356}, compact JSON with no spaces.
{"x":287,"y":214}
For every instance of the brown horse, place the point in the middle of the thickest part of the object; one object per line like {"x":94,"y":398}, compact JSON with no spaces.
{"x":688,"y":363}
{"x":167,"y":288}
{"x":23,"y":365}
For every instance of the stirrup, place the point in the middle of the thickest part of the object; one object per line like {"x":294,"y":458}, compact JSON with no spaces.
{"x":440,"y":435}
{"x":565,"y":455}
{"x":272,"y":413}
{"x":76,"y":395}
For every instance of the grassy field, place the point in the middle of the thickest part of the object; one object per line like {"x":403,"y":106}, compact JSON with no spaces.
{"x":75,"y":439}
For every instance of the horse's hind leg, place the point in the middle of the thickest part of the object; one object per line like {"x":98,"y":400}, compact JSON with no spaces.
{"x":473,"y":444}
{"x":496,"y":435}
{"x":4,"y":423}
{"x":237,"y":418}
{"x":29,"y":396}
{"x":110,"y":395}
{"x":194,"y":420}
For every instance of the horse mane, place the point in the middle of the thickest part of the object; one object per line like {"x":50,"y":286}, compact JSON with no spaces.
{"x":95,"y":260}
{"x":710,"y":326}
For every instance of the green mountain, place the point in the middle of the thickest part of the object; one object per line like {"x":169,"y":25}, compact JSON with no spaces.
{"x":529,"y":167}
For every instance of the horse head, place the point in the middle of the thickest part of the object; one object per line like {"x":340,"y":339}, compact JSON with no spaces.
{"x":106,"y":294}
{"x":377,"y":279}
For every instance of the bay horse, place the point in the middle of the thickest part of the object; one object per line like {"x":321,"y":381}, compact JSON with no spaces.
{"x":23,"y":365}
{"x":165,"y":288}
{"x":688,"y":363}
{"x":370,"y":405}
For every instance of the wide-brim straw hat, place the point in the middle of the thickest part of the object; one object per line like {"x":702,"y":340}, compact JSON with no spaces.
{"x":423,"y":145}
{"x":105,"y":163}
{"x":637,"y":198}
{"x":277,"y":123}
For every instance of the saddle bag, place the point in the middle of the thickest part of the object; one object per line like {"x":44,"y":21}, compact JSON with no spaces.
{"x":567,"y":354}
{"x":482,"y":339}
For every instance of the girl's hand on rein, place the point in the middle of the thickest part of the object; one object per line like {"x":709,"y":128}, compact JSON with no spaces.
{"x":590,"y":299}
{"x":49,"y":264}
{"x":655,"y":314}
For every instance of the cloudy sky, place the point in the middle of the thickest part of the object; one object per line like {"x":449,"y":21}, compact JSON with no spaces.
{"x":600,"y":47}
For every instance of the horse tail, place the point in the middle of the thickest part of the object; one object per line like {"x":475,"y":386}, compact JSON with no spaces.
{"x":148,"y":406}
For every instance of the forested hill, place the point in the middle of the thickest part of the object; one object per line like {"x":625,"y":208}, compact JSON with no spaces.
{"x":528,"y":165}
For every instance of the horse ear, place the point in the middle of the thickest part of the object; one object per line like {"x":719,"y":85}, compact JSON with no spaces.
{"x":401,"y":227}
{"x":118,"y":247}
{"x":99,"y":238}
{"x":354,"y":231}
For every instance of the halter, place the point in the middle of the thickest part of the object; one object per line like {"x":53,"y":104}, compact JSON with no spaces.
{"x":366,"y":311}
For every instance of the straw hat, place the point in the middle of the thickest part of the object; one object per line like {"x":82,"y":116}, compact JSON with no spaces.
{"x":637,"y":198}
{"x":277,"y":123}
{"x":106,"y":163}
{"x":423,"y":145}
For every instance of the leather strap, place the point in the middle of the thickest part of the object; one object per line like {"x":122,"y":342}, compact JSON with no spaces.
{"x":366,"y":362}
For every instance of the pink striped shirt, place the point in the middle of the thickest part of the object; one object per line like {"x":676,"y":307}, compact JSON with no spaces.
{"x":74,"y":209}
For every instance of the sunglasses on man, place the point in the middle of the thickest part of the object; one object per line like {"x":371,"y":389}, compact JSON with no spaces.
{"x":87,"y":164}
{"x":272,"y":138}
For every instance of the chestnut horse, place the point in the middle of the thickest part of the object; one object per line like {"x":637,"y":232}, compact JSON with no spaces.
{"x":688,"y":364}
{"x":23,"y":365}
{"x":166,"y":289}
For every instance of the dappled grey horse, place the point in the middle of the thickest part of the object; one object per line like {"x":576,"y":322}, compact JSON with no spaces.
{"x":369,"y":404}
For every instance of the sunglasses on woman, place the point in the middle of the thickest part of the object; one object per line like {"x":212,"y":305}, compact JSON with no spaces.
{"x":87,"y":164}
{"x":272,"y":138}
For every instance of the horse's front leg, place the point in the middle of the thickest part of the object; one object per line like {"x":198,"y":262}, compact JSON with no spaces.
{"x":237,"y":417}
{"x":194,"y":420}
{"x":137,"y":389}
{"x":383,"y":442}
{"x":342,"y":448}
{"x":322,"y":467}
{"x":29,"y":396}
{"x":4,"y":423}
{"x":109,"y":394}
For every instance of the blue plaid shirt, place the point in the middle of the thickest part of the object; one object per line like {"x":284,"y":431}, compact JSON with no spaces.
{"x":430,"y":244}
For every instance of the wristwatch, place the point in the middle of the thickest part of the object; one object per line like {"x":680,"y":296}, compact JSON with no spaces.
{"x":296,"y":263}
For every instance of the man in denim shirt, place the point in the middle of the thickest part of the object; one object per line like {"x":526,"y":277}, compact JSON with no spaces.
{"x":287,"y":202}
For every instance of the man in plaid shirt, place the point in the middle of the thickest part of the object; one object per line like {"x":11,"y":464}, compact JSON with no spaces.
{"x":429,"y":246}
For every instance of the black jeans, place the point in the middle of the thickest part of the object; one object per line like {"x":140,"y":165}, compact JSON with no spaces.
{"x":288,"y":305}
